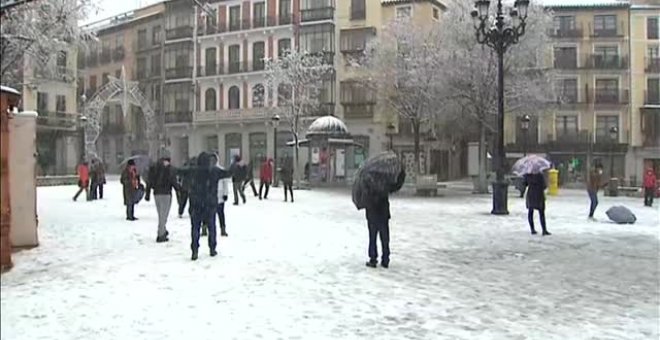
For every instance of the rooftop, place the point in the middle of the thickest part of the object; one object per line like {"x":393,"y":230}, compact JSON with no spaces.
{"x":585,"y":3}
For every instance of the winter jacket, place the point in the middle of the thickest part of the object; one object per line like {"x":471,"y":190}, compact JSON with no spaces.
{"x":650,"y":179}
{"x":594,"y":183}
{"x":287,"y":172}
{"x":267,"y":171}
{"x":238,"y":171}
{"x":536,"y":186}
{"x":162,"y":179}
{"x":378,"y":208}
{"x":83,"y":175}
{"x":204,"y":178}
{"x":223,"y":187}
{"x":130,"y":180}
{"x":100,"y":172}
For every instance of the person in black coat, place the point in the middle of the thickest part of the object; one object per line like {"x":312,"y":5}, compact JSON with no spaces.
{"x":184,"y":186}
{"x":238,"y":171}
{"x":536,"y":186}
{"x":162,"y":179}
{"x":204,"y":177}
{"x":249,"y":179}
{"x":378,"y":216}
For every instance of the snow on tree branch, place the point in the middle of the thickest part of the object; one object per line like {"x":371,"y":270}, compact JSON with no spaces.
{"x":33,"y":33}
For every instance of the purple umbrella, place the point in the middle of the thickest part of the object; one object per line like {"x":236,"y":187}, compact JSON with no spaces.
{"x":142,"y":163}
{"x":532,"y":164}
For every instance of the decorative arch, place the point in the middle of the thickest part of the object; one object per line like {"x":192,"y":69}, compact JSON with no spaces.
{"x":234,"y":97}
{"x":210,"y":101}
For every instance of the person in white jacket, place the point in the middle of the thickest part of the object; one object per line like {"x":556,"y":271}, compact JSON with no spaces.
{"x":223,"y":193}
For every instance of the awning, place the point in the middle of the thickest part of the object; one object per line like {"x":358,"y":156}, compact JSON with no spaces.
{"x":340,"y":141}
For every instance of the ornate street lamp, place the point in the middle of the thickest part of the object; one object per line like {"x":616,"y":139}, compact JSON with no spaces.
{"x":614,"y":136}
{"x":276,"y":122}
{"x":390,"y":133}
{"x":524,"y":125}
{"x":499,"y":36}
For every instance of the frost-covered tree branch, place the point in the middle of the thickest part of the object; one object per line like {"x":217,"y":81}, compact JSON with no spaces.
{"x":33,"y":33}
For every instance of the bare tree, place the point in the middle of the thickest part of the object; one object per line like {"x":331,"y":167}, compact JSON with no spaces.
{"x":403,"y":65}
{"x":34,"y":32}
{"x":297,"y":78}
{"x":470,"y":73}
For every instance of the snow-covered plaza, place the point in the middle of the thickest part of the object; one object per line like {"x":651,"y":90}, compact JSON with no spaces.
{"x":296,"y":271}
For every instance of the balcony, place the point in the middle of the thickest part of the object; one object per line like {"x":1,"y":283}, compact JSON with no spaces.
{"x":651,"y":98}
{"x":566,"y":33}
{"x":569,"y":103}
{"x":178,"y":117}
{"x":57,"y":121}
{"x":317,"y":14}
{"x":234,"y":26}
{"x":59,"y":73}
{"x":651,"y":128}
{"x":327,"y":57}
{"x":652,"y":65}
{"x":258,"y":22}
{"x":236,"y":115}
{"x":607,"y":33}
{"x":179,"y":33}
{"x":106,"y":56}
{"x":611,"y":97}
{"x":602,"y":62}
{"x":566,"y":63}
{"x":209,"y":70}
{"x":285,"y":19}
{"x":118,"y":54}
{"x":358,"y":110}
{"x":179,"y":72}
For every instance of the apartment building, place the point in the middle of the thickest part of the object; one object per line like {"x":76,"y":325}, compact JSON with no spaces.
{"x":645,"y":90}
{"x":217,"y":96}
{"x":358,"y":22}
{"x":133,"y":42}
{"x":52,"y":93}
{"x":590,"y":119}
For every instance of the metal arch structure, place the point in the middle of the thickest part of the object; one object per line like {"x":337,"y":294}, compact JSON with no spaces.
{"x":126,"y":92}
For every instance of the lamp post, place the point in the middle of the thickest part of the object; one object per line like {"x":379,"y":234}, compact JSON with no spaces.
{"x":524,"y":125}
{"x":499,"y":36}
{"x":276,"y":122}
{"x":614,"y":135}
{"x":390,"y":133}
{"x":82,"y":122}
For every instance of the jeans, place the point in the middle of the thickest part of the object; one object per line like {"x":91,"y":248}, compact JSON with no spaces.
{"x":379,"y":226}
{"x":182,"y":199}
{"x":163,"y":205}
{"x":288,"y":188}
{"x":649,"y":194}
{"x":205,"y":215}
{"x":238,"y":191}
{"x":130,"y":211}
{"x":251,"y":183}
{"x":593,"y":196}
{"x":221,"y":217}
{"x":530,"y":219}
{"x":261,"y":187}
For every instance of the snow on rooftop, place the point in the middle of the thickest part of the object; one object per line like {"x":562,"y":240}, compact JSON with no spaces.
{"x":584,"y":3}
{"x":9,"y":89}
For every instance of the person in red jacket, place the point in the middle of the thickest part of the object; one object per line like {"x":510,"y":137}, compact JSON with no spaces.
{"x":83,"y":181}
{"x":266,"y":177}
{"x":649,"y":187}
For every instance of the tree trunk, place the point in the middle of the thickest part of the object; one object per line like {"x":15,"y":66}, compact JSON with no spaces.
{"x":296,"y":157}
{"x":482,"y":185}
{"x":416,"y":147}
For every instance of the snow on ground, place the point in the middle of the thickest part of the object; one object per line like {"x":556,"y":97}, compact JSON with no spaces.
{"x":296,"y":271}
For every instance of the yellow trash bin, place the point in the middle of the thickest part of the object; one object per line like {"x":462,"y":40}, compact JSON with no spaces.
{"x":553,"y":182}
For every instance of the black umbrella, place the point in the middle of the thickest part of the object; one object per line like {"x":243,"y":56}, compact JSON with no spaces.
{"x":379,"y":176}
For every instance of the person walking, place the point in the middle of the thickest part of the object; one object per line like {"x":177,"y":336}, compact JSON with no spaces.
{"x":536,"y":185}
{"x":162,"y":179}
{"x":266,"y":177}
{"x":238,"y":172}
{"x":130,"y":181}
{"x":100,"y":178}
{"x":250,"y":178}
{"x":93,"y":180}
{"x":83,"y":181}
{"x":223,"y":195}
{"x":593,"y":185}
{"x":650,"y":183}
{"x":184,"y":185}
{"x":204,"y":201}
{"x":287,"y":177}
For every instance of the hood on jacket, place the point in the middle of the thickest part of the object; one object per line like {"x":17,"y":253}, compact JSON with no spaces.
{"x":204,"y":160}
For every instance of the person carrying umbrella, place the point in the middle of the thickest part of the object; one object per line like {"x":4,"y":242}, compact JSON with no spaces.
{"x":536,"y":185}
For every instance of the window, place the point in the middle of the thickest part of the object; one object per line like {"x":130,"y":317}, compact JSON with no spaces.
{"x":259,"y":14}
{"x":258,"y":96}
{"x":60,"y":104}
{"x":155,"y":65}
{"x":358,"y":10}
{"x":606,"y":56}
{"x":119,"y":40}
{"x":653,"y":52}
{"x":606,"y":51}
{"x":177,"y":97}
{"x":156,"y":35}
{"x":652,"y":29}
{"x":314,"y":39}
{"x":178,"y":56}
{"x":283,"y":45}
{"x":258,"y":55}
{"x":653,"y":91}
{"x":566,"y":127}
{"x":436,"y":13}
{"x":210,"y":100}
{"x":283,"y":94}
{"x":603,"y":126}
{"x":565,"y":57}
{"x":210,"y":56}
{"x":564,"y":22}
{"x":605,"y":23}
{"x":568,"y":90}
{"x":61,"y":59}
{"x":92,"y":82}
{"x":212,"y":143}
{"x":141,"y":68}
{"x":234,"y":58}
{"x":105,"y":78}
{"x":285,"y":12}
{"x":353,"y":92}
{"x":235,"y":18}
{"x":355,"y":40}
{"x":142,"y":38}
{"x":403,"y":12}
{"x":234,"y":98}
{"x":42,"y":102}
{"x":607,"y":90}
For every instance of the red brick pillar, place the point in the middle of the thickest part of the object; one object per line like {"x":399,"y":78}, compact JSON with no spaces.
{"x":245,"y":95}
{"x":222,"y":18}
{"x":7,"y":100}
{"x":247,"y":22}
{"x":245,"y":55}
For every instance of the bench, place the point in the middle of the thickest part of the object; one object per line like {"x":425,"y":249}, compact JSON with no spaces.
{"x":426,"y":185}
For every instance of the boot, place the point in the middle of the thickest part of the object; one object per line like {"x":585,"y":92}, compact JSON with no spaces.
{"x":213,"y":252}
{"x":161,"y":239}
{"x":372,"y":263}
{"x":194,"y":255}
{"x":546,"y":233}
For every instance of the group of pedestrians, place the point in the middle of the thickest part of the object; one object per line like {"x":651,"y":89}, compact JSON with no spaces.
{"x":91,"y":179}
